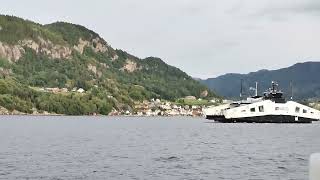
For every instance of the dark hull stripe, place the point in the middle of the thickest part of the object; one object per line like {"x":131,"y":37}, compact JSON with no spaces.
{"x":262,"y":119}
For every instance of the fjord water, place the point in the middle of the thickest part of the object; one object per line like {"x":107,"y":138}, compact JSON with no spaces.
{"x":152,"y":148}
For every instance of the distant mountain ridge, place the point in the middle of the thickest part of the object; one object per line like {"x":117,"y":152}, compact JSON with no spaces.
{"x":305,"y":78}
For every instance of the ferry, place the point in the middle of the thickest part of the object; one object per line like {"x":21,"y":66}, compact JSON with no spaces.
{"x":272,"y":107}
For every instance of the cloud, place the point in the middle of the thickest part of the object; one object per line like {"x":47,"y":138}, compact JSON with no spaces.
{"x":289,"y":8}
{"x":204,"y":38}
{"x":306,"y":6}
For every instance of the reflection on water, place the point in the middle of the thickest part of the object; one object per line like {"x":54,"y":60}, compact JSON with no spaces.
{"x":152,"y":148}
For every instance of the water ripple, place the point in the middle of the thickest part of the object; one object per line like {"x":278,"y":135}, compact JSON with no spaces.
{"x":57,"y":148}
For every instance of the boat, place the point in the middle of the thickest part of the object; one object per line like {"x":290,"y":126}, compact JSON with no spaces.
{"x":272,"y":107}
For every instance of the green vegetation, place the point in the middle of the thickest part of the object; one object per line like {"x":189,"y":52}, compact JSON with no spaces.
{"x":71,"y":32}
{"x":4,"y":63}
{"x":74,"y":104}
{"x":15,"y":96}
{"x":14,"y":29}
{"x":103,"y":75}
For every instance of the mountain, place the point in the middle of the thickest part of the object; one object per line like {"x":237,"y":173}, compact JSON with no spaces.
{"x":61,"y":56}
{"x":304,"y":77}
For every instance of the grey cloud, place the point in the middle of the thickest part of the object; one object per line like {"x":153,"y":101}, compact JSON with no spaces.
{"x":311,"y":7}
{"x":306,"y":7}
{"x":204,"y":38}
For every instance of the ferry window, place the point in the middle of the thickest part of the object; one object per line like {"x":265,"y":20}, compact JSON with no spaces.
{"x":277,"y":108}
{"x":261,"y":109}
{"x":304,"y":111}
{"x":311,"y":112}
{"x":253,"y":109}
{"x":297,"y":109}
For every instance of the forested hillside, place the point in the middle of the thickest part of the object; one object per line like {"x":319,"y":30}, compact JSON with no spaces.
{"x":35,"y":58}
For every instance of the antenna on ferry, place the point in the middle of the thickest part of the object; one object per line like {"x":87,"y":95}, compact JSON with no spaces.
{"x":256,"y":89}
{"x":291,"y":90}
{"x":241,"y":88}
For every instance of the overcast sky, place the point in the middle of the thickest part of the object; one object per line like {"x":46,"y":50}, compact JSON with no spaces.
{"x":204,"y":38}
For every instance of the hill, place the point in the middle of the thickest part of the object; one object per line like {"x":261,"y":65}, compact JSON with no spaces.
{"x":61,"y":57}
{"x":304,"y":77}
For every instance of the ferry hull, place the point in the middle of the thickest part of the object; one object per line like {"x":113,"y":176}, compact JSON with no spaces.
{"x":262,"y":119}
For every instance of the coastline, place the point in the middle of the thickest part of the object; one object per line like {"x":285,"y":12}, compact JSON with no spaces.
{"x":144,"y":109}
{"x":5,"y":112}
{"x":98,"y":115}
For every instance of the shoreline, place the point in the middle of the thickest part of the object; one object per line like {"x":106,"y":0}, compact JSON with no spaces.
{"x":96,"y":115}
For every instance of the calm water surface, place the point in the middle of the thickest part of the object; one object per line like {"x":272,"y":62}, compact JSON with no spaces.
{"x":122,"y":148}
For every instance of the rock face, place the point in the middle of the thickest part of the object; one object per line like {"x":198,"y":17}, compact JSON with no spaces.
{"x":11,"y":52}
{"x":115,"y":57}
{"x":92,"y":68}
{"x":5,"y":72}
{"x":14,"y":52}
{"x":204,"y":93}
{"x":96,"y":44}
{"x":54,"y":51}
{"x":82,"y":44}
{"x":4,"y":111}
{"x":30,"y":44}
{"x":130,"y":66}
{"x":48,"y":48}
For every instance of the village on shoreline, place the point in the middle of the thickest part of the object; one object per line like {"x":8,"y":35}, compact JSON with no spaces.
{"x":156,"y":107}
{"x":188,"y":106}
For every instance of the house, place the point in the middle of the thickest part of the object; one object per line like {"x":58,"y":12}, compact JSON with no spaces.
{"x":80,"y":90}
{"x":53,"y":90}
{"x":64,"y":90}
{"x":190,"y":98}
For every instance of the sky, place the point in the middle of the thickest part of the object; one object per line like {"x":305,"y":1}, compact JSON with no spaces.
{"x":204,"y":38}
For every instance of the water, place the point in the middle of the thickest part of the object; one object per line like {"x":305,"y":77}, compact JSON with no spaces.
{"x":153,"y":148}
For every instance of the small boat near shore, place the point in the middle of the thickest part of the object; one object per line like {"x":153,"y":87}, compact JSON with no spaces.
{"x":272,"y":107}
